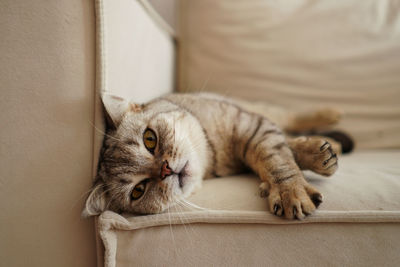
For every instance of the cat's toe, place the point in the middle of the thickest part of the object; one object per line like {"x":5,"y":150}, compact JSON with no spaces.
{"x":314,"y":195}
{"x":299,"y":201}
{"x":297,"y":204}
{"x":294,"y":200}
{"x":307,"y":204}
{"x":325,"y":160}
{"x":294,"y":210}
{"x":277,"y":209}
{"x":298,"y":212}
{"x":275,"y":202}
{"x":264,"y":189}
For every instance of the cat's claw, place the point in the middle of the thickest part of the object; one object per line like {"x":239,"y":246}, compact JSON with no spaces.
{"x":316,"y":199}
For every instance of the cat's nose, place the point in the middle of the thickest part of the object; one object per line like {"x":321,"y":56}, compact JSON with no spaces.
{"x":165,"y":170}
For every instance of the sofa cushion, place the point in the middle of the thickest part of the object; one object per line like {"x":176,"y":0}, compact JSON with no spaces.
{"x":300,"y":54}
{"x":359,"y":216}
{"x":365,"y":181}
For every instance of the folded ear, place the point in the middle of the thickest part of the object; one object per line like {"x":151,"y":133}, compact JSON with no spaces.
{"x":96,"y":201}
{"x":115,"y":107}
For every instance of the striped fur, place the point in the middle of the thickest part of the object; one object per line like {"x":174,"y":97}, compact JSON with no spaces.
{"x":203,"y":136}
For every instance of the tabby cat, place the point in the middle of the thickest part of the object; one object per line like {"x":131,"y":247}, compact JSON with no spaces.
{"x":157,"y":153}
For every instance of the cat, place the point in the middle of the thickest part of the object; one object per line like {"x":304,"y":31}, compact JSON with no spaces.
{"x":157,"y":153}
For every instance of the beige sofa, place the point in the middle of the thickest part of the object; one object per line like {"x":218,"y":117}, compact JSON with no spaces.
{"x":329,"y":53}
{"x":304,"y":55}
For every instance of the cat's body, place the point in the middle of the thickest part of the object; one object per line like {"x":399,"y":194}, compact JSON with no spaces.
{"x":160,"y":152}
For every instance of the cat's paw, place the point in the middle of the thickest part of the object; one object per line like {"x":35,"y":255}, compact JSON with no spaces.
{"x":325,"y":160}
{"x":317,"y":154}
{"x":294,"y":200}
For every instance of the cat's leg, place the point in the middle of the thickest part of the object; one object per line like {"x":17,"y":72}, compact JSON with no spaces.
{"x":291,"y":121}
{"x":316,"y":153}
{"x":312,"y":120}
{"x":268,"y":154}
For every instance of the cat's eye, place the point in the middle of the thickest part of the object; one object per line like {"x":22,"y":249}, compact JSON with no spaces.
{"x":150,"y":140}
{"x":138,"y":190}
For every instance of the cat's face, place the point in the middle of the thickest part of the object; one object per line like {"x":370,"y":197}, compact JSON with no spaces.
{"x":154,"y":157}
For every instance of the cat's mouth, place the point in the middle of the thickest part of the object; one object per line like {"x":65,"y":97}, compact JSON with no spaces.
{"x":183,"y":175}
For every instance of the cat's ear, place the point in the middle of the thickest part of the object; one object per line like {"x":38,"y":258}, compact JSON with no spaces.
{"x":96,"y":201}
{"x":115,"y":108}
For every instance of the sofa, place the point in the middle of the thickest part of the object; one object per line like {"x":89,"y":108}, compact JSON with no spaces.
{"x":301,"y":55}
{"x":61,"y":58}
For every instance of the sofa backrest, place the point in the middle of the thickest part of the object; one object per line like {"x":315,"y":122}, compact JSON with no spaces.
{"x":300,"y":54}
{"x":135,"y":50}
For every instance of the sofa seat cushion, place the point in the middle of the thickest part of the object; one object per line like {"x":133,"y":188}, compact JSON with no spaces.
{"x":365,"y":181}
{"x":361,"y":211}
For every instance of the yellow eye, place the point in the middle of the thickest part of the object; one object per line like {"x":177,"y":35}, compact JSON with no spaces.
{"x":138,"y":190}
{"x":150,"y":140}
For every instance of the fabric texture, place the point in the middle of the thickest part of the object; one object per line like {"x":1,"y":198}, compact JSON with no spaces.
{"x":129,"y":68}
{"x":301,"y":55}
{"x":135,"y":54}
{"x":208,"y":244}
{"x":359,"y":220}
{"x":47,"y":75}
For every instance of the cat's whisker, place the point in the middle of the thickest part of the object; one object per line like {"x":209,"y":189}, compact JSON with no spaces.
{"x":127,"y":190}
{"x":172,"y":234}
{"x":174,"y":133}
{"x":110,"y":136}
{"x":195,"y":234}
{"x":83,"y":195}
{"x":111,"y":199}
{"x":205,"y":83}
{"x":102,"y":132}
{"x":192,"y":205}
{"x":86,"y":193}
{"x":184,"y":204}
{"x":181,"y":214}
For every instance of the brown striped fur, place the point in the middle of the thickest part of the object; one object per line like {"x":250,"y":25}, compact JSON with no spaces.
{"x":206,"y":135}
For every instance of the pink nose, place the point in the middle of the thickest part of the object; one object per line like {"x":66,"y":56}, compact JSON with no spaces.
{"x":165,"y":170}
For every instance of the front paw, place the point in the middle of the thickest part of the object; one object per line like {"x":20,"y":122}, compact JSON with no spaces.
{"x":294,"y":200}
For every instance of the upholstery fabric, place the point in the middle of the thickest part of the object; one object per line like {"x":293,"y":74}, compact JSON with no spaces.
{"x":208,"y":244}
{"x":358,"y":224}
{"x":300,"y":54}
{"x":47,"y":69}
{"x":135,"y":52}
